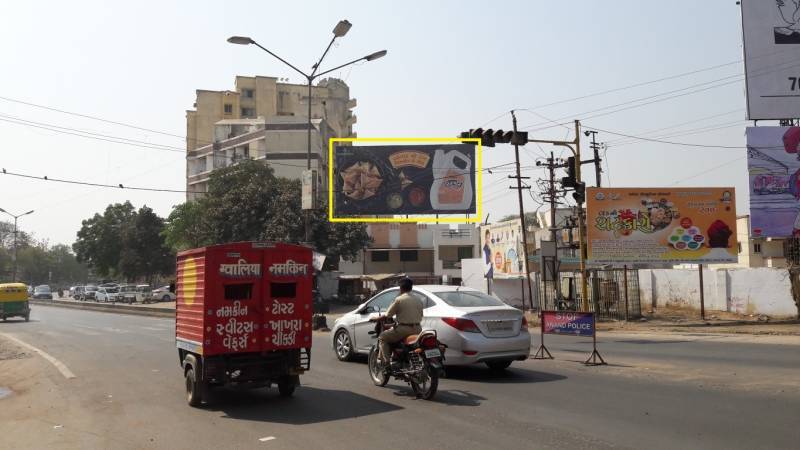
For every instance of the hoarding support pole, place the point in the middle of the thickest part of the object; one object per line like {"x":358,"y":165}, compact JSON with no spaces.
{"x":526,"y":262}
{"x":702,"y":295}
{"x":542,"y":352}
{"x":625,"y":280}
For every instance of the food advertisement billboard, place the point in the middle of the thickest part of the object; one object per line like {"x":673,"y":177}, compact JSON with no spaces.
{"x":404,"y":179}
{"x":773,"y":165}
{"x":502,"y":251}
{"x":771,"y":34}
{"x":661,"y":225}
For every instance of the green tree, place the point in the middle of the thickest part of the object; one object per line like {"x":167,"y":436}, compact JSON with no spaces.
{"x":99,"y":242}
{"x":144,"y":252}
{"x":247,"y":202}
{"x":530,"y":219}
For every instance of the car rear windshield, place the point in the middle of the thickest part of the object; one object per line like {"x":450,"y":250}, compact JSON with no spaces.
{"x":42,"y":289}
{"x":467,"y":299}
{"x":91,"y":288}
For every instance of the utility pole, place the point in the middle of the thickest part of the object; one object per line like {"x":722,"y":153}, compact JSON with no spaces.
{"x":519,"y":177}
{"x":596,"y":148}
{"x":551,"y":196}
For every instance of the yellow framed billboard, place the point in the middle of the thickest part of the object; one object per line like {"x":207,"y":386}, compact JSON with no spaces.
{"x":661,"y":225}
{"x":409,"y":179}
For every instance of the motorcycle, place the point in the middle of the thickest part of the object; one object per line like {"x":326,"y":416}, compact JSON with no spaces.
{"x":418,"y":360}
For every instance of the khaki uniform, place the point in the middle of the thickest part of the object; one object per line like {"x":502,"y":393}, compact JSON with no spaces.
{"x":408,"y":312}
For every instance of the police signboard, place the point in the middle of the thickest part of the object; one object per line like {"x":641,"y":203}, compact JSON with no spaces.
{"x":568,"y":322}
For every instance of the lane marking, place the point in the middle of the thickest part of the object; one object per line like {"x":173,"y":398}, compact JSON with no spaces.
{"x":268,"y":438}
{"x":59,"y":365}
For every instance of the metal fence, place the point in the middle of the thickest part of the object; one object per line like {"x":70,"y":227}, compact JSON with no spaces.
{"x":612,"y":293}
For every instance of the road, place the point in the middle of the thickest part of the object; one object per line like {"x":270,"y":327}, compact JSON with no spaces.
{"x":683,"y":391}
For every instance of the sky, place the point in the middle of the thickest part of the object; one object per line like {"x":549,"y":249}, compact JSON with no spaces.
{"x":451,"y":66}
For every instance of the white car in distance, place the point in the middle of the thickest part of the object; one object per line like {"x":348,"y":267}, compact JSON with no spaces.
{"x":477,"y":328}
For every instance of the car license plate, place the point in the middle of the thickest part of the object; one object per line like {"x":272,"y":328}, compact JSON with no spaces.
{"x":500,"y":325}
{"x":433,"y":353}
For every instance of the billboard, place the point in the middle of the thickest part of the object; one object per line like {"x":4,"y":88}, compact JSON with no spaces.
{"x":661,"y":225}
{"x":404,"y":179}
{"x":771,"y":33}
{"x":502,"y":250}
{"x":773,"y":166}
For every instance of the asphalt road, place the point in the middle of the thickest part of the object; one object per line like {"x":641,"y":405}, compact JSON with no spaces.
{"x":676,"y":392}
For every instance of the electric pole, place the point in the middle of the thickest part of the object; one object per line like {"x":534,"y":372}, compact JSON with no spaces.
{"x":519,"y":188}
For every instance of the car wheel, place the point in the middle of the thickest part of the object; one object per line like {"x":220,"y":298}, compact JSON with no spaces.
{"x":498,"y":365}
{"x":165,"y":298}
{"x":343,"y":345}
{"x":286,"y":386}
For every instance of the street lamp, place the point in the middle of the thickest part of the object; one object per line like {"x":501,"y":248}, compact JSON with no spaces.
{"x":339,"y":30}
{"x":14,"y":277}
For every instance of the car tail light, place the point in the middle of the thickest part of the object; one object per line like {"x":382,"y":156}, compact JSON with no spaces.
{"x":429,"y":341}
{"x":524,"y":323}
{"x":460,"y":324}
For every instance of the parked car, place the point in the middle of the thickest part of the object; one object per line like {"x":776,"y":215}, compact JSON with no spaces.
{"x":127,"y":293}
{"x":143,"y":293}
{"x":162,"y":294}
{"x":476,"y":327}
{"x":42,"y":292}
{"x":77,"y":292}
{"x":89,"y":292}
{"x":107,"y":294}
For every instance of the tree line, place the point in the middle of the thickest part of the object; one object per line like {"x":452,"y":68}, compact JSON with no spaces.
{"x":244,"y":202}
{"x":38,"y":262}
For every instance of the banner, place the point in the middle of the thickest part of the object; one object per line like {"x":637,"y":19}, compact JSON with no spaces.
{"x":411,"y":179}
{"x":774,"y":170}
{"x":658,"y":225}
{"x":771,"y":34}
{"x":568,"y":322}
{"x":502,"y":250}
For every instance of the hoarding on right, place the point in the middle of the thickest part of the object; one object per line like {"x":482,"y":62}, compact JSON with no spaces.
{"x":771,"y":33}
{"x":773,"y":164}
{"x":661,"y":225}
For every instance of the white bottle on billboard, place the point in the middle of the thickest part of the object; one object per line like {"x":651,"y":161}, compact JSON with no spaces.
{"x":451,"y":188}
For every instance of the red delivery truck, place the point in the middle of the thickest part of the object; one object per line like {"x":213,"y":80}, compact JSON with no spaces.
{"x":243,"y":316}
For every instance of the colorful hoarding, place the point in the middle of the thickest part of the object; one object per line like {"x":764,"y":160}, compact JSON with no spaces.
{"x":771,"y":34}
{"x":661,"y":225}
{"x":502,"y":250}
{"x":773,"y":164}
{"x":568,"y":322}
{"x":404,"y":179}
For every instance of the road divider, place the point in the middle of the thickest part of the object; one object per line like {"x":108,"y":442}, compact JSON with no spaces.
{"x":108,"y":307}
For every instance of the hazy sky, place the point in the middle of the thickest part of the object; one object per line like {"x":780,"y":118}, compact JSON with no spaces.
{"x":452,"y":65}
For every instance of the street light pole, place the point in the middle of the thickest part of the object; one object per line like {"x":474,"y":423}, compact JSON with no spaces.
{"x":14,"y":276}
{"x":339,"y":30}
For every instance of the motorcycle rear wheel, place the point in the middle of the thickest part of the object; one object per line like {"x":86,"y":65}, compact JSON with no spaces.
{"x":376,"y":370}
{"x":428,"y":388}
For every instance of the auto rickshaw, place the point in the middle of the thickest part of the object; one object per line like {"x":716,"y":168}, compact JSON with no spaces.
{"x":14,"y":301}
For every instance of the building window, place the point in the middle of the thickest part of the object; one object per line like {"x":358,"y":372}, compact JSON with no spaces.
{"x":380,"y":256}
{"x":228,"y":108}
{"x":464,"y":253}
{"x":409,"y":255}
{"x":248,"y":112}
{"x":756,"y":247}
{"x":248,"y":93}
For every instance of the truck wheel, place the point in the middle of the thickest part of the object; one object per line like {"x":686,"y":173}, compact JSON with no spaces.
{"x":286,"y":386}
{"x":27,"y":317}
{"x":193,"y":389}
{"x":165,"y":298}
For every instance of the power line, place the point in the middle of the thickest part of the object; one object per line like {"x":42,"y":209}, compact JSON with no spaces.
{"x":84,"y":183}
{"x":708,"y":170}
{"x":677,"y":125}
{"x":687,"y":144}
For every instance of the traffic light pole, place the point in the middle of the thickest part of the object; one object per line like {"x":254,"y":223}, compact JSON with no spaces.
{"x":526,"y":263}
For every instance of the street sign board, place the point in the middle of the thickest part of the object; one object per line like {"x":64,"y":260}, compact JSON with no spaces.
{"x":661,"y":225}
{"x":568,"y":322}
{"x":771,"y":34}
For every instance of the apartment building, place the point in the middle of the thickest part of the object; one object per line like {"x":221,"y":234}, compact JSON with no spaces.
{"x":265,"y":119}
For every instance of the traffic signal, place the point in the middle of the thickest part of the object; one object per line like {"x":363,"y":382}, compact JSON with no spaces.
{"x":580,"y":192}
{"x":570,"y":181}
{"x":491,"y":137}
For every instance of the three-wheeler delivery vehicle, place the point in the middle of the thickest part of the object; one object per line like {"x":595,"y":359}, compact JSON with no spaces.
{"x":14,"y":301}
{"x":243,"y":316}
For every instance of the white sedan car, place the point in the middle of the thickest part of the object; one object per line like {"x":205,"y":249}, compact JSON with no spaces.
{"x":476,"y":327}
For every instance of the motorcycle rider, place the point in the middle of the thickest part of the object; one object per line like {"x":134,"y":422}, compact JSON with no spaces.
{"x":408,"y":312}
